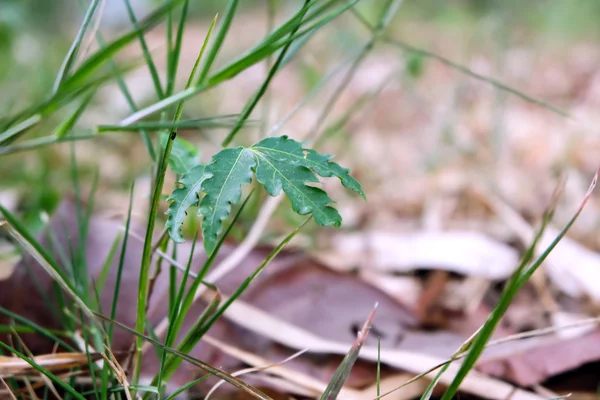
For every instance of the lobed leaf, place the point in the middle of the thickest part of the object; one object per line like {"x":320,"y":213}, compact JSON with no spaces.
{"x":321,"y":165}
{"x":281,"y":165}
{"x":184,"y":155}
{"x":183,"y":198}
{"x":229,"y":169}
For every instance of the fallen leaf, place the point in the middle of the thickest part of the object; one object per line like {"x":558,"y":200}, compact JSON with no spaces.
{"x":535,"y":365}
{"x":467,"y":253}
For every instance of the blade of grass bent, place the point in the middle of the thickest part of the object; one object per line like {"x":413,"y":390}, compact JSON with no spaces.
{"x":520,"y":277}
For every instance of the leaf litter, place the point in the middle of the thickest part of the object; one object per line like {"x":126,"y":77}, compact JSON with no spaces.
{"x":424,"y":149}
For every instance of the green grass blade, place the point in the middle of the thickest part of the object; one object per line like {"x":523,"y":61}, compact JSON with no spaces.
{"x":43,"y":142}
{"x":145,"y":50}
{"x":429,"y":390}
{"x":31,"y":246}
{"x":378,"y":379}
{"x":147,"y":251}
{"x":99,"y":285}
{"x":103,"y":55}
{"x":186,"y":387}
{"x":255,"y":55}
{"x":120,"y":267}
{"x":143,"y":284}
{"x":33,"y":327}
{"x":264,"y":50}
{"x":71,"y":56}
{"x":198,"y":363}
{"x":55,"y":379}
{"x":175,"y":325}
{"x":176,"y":306}
{"x":174,"y":52}
{"x":128,"y":97}
{"x":519,"y":278}
{"x":198,"y":123}
{"x":65,"y":128}
{"x":11,"y":133}
{"x":218,"y":43}
{"x":192,"y":337}
{"x":342,"y":373}
{"x":263,"y":88}
{"x":244,"y":285}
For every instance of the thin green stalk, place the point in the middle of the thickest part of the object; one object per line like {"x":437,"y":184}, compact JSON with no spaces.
{"x":266,"y":110}
{"x":35,"y":328}
{"x":388,"y":12}
{"x":174,"y":52}
{"x":71,"y":56}
{"x":263,"y":88}
{"x":198,"y":363}
{"x":461,"y":68}
{"x":147,"y":255}
{"x":145,"y":50}
{"x":519,"y":278}
{"x":256,"y":55}
{"x":174,"y":311}
{"x":187,"y":302}
{"x":130,"y":102}
{"x":218,"y":43}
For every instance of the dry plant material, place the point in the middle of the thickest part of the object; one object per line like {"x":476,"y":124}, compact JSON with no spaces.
{"x":11,"y":366}
{"x":535,"y":365}
{"x":462,"y":252}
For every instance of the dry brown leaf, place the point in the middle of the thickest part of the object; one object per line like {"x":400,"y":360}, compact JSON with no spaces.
{"x":10,"y":366}
{"x":535,"y":365}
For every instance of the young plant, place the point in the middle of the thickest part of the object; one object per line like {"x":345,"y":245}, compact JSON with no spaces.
{"x":278,"y":164}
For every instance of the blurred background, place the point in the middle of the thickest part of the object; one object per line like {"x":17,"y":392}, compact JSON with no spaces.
{"x":465,"y":117}
{"x":438,"y":119}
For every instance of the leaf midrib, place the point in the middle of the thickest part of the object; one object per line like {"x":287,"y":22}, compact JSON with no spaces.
{"x":299,"y":157}
{"x":199,"y":182}
{"x":214,"y":213}
{"x":315,"y":207}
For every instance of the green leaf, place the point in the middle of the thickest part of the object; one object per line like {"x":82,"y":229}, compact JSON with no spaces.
{"x":230,"y":169}
{"x":183,"y":198}
{"x":325,"y":168}
{"x":184,"y":156}
{"x":281,"y":165}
